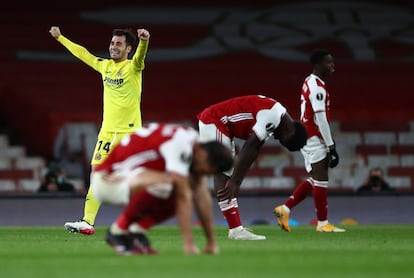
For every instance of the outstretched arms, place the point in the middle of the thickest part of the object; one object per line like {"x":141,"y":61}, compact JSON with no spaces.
{"x":77,"y":50}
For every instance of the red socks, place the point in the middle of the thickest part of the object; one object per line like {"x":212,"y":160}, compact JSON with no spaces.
{"x":300,"y":193}
{"x":230,"y":212}
{"x":320,"y":197}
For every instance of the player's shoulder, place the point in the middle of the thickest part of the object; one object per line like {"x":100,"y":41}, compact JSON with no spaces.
{"x":184,"y":137}
{"x":258,"y":101}
{"x":173,"y":129}
{"x":187,"y":131}
{"x":314,"y":83}
{"x":103,"y":63}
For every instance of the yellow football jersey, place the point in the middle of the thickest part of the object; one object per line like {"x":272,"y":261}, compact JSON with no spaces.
{"x":122,"y":83}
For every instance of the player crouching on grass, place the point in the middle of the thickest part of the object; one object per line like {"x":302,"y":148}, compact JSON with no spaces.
{"x":158,"y":172}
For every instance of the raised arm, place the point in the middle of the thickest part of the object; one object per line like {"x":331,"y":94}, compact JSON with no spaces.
{"x":143,"y":34}
{"x":55,"y":32}
{"x":77,"y":50}
{"x":140,"y":54}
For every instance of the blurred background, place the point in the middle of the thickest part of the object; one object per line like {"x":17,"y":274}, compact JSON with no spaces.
{"x":202,"y":52}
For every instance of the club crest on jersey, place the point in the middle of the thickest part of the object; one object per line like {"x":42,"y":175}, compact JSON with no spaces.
{"x":98,"y":156}
{"x":119,"y":74}
{"x":319,"y":96}
{"x":186,"y":158}
{"x":270,"y":127}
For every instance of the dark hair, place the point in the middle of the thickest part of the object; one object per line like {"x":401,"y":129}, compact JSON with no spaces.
{"x":317,"y":56}
{"x":298,"y":139}
{"x":219,"y":156}
{"x":130,"y":37}
{"x":377,"y":169}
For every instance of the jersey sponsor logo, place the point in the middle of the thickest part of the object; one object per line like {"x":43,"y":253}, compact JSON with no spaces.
{"x":319,"y":96}
{"x":113,"y":82}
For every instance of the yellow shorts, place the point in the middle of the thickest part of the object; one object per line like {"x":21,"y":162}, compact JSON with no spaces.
{"x":104,"y":145}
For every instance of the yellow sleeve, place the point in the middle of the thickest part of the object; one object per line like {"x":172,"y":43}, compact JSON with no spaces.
{"x":81,"y":53}
{"x":139,"y":56}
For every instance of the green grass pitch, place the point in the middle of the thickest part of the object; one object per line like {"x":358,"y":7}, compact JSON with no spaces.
{"x":363,"y":251}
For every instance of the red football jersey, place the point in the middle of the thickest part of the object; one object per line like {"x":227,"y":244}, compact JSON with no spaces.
{"x":240,"y":116}
{"x":314,"y":98}
{"x":164,"y":147}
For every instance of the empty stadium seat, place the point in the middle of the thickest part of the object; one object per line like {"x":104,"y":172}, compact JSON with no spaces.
{"x":7,"y":185}
{"x":36,"y":164}
{"x":407,"y":160}
{"x":5,"y":163}
{"x":380,"y":138}
{"x":13,"y":151}
{"x":400,"y":182}
{"x":4,"y":141}
{"x":73,"y":137}
{"x":29,"y":185}
{"x":406,"y":138}
{"x":278,"y":183}
{"x":251,"y":183}
{"x":383,"y":161}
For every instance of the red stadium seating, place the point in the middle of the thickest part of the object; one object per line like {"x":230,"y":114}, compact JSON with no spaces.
{"x":39,"y":96}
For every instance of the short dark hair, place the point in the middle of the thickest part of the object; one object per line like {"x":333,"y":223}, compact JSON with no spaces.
{"x":130,"y":37}
{"x":219,"y":156}
{"x":317,"y":56}
{"x":298,"y":139}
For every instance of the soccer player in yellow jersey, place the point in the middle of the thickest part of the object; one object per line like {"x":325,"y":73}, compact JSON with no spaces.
{"x":122,"y":83}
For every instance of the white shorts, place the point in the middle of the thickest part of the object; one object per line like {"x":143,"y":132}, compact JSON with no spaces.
{"x":314,"y":151}
{"x":112,"y":193}
{"x":209,"y":132}
{"x":119,"y":193}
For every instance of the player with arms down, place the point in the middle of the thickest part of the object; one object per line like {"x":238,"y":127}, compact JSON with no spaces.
{"x":319,"y":152}
{"x":255,"y":119}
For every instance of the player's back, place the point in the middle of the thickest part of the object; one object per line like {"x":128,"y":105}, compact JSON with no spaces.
{"x":236,"y":106}
{"x":143,"y":148}
{"x":236,"y":116}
